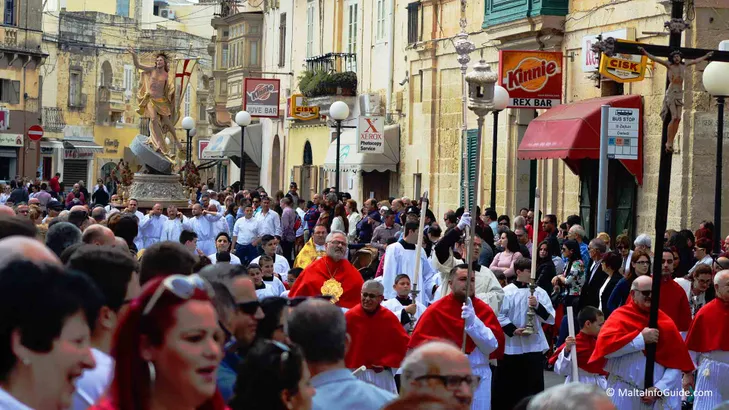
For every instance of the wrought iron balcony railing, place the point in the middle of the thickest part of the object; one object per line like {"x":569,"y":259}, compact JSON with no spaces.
{"x":333,"y":62}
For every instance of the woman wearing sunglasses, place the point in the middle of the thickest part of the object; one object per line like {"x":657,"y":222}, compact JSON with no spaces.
{"x":167,"y":349}
{"x":273,"y":376}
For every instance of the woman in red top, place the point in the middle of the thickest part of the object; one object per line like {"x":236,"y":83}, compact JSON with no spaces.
{"x":167,"y":349}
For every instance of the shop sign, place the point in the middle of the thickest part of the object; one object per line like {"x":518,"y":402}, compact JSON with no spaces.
{"x":533,"y":78}
{"x":74,"y":154}
{"x":4,"y":119}
{"x":623,"y":129}
{"x":111,"y":146}
{"x":11,"y":140}
{"x":590,"y":61}
{"x":371,"y":135}
{"x":300,"y":111}
{"x":201,"y":154}
{"x":260,"y":97}
{"x":624,"y":68}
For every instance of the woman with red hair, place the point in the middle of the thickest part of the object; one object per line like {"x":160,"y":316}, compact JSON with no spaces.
{"x":167,"y":349}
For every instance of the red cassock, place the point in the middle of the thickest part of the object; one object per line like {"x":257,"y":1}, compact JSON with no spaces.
{"x":378,"y":339}
{"x":624,"y":325}
{"x":585,"y":345}
{"x":710,"y":328}
{"x":442,"y":321}
{"x":311,"y":280}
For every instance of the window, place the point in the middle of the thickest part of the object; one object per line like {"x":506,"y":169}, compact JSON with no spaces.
{"x":10,"y":91}
{"x":187,"y":100}
{"x":380,"y":34}
{"x":310,"y":28}
{"x":74,"y":89}
{"x":128,"y":80}
{"x":282,"y":41}
{"x":413,"y":33}
{"x":352,"y":27}
{"x":202,"y":114}
{"x":224,"y":57}
{"x":10,"y":12}
{"x":254,"y":53}
{"x":471,"y":140}
{"x":122,"y":8}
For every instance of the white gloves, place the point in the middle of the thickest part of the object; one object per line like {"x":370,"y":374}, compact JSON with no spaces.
{"x":468,"y":313}
{"x":465,"y":221}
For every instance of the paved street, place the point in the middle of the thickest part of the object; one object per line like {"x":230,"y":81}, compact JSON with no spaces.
{"x":552,"y":379}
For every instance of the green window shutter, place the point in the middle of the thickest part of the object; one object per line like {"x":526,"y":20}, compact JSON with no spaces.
{"x":471,"y":142}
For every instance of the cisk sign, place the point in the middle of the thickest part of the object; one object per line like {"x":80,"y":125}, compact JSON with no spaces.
{"x":533,"y":78}
{"x":371,"y":135}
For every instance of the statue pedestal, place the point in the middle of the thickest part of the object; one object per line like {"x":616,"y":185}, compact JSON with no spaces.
{"x":149,"y":189}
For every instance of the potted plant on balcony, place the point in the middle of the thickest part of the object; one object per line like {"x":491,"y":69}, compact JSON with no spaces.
{"x":321,"y":83}
{"x":345,"y":83}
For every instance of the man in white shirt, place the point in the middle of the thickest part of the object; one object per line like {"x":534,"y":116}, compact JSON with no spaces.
{"x":172,"y":228}
{"x":202,"y":223}
{"x":269,"y":222}
{"x":132,"y":209}
{"x":115,"y":272}
{"x":245,"y":236}
{"x":220,"y":225}
{"x":150,"y":228}
{"x":280,"y":264}
{"x":400,"y":258}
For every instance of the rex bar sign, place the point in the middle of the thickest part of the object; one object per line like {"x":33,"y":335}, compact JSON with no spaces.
{"x":371,"y":135}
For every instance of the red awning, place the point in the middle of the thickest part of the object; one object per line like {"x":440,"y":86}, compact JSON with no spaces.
{"x":572,"y":132}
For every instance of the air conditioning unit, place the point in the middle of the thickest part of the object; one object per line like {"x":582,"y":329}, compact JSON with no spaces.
{"x":167,"y":13}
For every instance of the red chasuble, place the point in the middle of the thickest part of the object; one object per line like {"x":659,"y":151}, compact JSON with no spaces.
{"x":378,"y":339}
{"x":710,"y":329}
{"x":311,"y":280}
{"x":624,"y":325}
{"x":585,"y":345}
{"x":442,"y":321}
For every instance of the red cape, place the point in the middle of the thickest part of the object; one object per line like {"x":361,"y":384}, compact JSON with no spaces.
{"x":585,"y":345}
{"x":710,"y":329}
{"x":310,"y":281}
{"x":624,"y":325}
{"x":675,"y":304}
{"x":442,"y":321}
{"x":377,"y":340}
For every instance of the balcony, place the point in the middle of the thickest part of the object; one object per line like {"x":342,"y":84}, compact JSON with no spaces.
{"x":504,"y":12}
{"x":111,"y":104}
{"x":333,"y":62}
{"x":53,"y":120}
{"x":328,"y":78}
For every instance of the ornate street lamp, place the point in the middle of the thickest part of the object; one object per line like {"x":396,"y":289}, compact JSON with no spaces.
{"x":716,"y":82}
{"x":243,"y":119}
{"x":339,"y":111}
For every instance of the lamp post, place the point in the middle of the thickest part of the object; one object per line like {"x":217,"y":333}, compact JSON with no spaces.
{"x":716,"y":82}
{"x":501,"y":100}
{"x":339,"y":111}
{"x":188,"y":124}
{"x":243,"y":119}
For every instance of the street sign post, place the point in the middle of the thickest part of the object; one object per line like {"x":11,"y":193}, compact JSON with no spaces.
{"x":35,"y":132}
{"x":623,"y":127}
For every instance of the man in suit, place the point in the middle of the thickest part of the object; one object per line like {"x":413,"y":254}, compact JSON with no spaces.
{"x":594,"y":277}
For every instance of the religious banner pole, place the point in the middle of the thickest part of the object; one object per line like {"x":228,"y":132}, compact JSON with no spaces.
{"x":419,"y":247}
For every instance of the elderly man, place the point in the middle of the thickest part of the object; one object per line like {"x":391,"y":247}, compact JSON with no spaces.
{"x":98,"y":214}
{"x":708,"y":343}
{"x":594,"y":277}
{"x":389,"y":229}
{"x":573,"y":396}
{"x":439,"y":368}
{"x":21,"y":247}
{"x":487,"y":287}
{"x":320,"y":329}
{"x":62,"y":235}
{"x":378,"y":341}
{"x":150,"y":227}
{"x":314,"y":249}
{"x":400,"y":258}
{"x":22,"y":210}
{"x":75,"y":197}
{"x":524,"y":240}
{"x":202,"y":223}
{"x":446,"y":319}
{"x":622,"y":341}
{"x":98,"y":235}
{"x":331,"y":275}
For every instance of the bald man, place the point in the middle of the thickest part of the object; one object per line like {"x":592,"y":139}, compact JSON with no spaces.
{"x":439,"y":368}
{"x":6,"y":210}
{"x":120,"y":243}
{"x":150,"y":227}
{"x":203,"y":224}
{"x":707,"y":343}
{"x":98,"y":235}
{"x":21,"y":247}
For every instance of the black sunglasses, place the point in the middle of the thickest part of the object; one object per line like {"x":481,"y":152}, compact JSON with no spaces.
{"x":646,"y":293}
{"x":249,"y":308}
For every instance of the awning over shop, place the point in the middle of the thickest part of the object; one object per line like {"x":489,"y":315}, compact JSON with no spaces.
{"x":351,"y":161}
{"x":572,"y":132}
{"x":51,"y":144}
{"x":226,"y":143}
{"x":83,"y":147}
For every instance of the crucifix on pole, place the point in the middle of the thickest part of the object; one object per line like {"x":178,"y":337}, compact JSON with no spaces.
{"x":675,"y":65}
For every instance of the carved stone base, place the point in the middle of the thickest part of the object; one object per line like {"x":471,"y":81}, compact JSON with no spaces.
{"x":149,"y":189}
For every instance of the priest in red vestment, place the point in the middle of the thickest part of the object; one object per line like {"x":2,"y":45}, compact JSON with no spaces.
{"x":331,"y":275}
{"x":708,"y":342}
{"x":378,"y":340}
{"x":622,"y":341}
{"x":446,"y":319}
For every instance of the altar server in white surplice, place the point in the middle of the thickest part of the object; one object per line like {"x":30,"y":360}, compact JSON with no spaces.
{"x":407,"y":311}
{"x":202,"y":223}
{"x":400,"y":258}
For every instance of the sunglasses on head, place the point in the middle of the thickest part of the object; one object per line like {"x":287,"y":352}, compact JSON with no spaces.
{"x":179,"y":285}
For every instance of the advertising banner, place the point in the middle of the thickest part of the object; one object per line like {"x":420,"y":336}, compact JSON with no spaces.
{"x":260,"y":97}
{"x":533,"y":78}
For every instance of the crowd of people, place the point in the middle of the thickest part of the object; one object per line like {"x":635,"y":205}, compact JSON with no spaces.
{"x":258,"y":302}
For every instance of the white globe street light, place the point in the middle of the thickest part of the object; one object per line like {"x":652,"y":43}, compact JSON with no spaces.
{"x":716,"y":82}
{"x":501,"y":98}
{"x":339,"y":111}
{"x":243,"y":119}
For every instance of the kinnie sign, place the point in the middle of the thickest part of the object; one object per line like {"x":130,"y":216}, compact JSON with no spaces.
{"x":533,"y":78}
